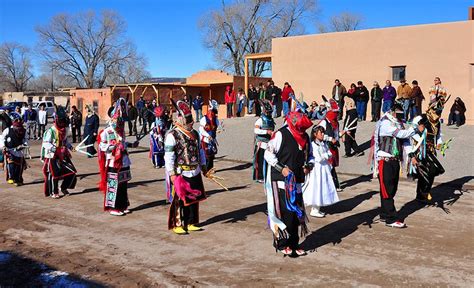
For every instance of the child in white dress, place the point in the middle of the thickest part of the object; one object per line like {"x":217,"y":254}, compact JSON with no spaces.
{"x":319,"y":189}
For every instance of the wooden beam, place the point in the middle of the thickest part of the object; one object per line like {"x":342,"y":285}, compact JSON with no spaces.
{"x":157,"y":95}
{"x":246,"y":78}
{"x":133,"y":92}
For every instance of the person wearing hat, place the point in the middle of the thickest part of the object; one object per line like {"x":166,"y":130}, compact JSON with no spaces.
{"x":208,"y":133}
{"x":157,"y":138}
{"x":12,"y":141}
{"x":389,"y":138}
{"x":416,"y":99}
{"x":288,"y":156}
{"x":55,"y":152}
{"x":185,"y":160}
{"x":114,"y":162}
{"x":91,"y":128}
{"x":264,"y":127}
{"x":404,"y":96}
{"x":424,"y":165}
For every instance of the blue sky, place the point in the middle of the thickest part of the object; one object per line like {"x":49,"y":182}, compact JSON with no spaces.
{"x":166,"y":30}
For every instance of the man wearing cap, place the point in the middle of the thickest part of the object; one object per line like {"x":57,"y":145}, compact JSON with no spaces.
{"x":184,"y":161}
{"x":404,"y":96}
{"x":389,"y":139}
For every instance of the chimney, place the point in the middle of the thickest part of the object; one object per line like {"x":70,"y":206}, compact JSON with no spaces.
{"x":471,"y":13}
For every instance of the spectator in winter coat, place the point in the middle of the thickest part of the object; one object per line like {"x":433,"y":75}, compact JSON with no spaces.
{"x":76,"y":124}
{"x":362,"y":97}
{"x":197,"y":106}
{"x":457,"y":113}
{"x":229,"y":97}
{"x":286,"y":98}
{"x":389,"y":95}
{"x":253,"y":99}
{"x":132,"y":119}
{"x":404,"y":94}
{"x":140,"y":107}
{"x":338,"y":93}
{"x":416,"y":98}
{"x":376,"y":96}
{"x":275,"y":93}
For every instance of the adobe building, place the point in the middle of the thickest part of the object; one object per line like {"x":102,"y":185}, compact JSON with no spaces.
{"x":311,"y":63}
{"x":210,"y":84}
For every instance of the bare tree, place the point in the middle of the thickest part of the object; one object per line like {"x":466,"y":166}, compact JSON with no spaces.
{"x":345,"y":21}
{"x":130,"y":71}
{"x":15,"y":66}
{"x":248,"y":26}
{"x":86,"y":47}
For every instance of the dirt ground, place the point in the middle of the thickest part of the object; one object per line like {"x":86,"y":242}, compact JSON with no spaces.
{"x":347,"y":248}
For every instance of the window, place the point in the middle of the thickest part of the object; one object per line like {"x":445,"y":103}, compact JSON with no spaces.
{"x":398,"y":73}
{"x":95,"y":106}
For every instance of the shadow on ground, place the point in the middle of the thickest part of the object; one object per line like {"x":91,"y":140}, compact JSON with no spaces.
{"x":445,"y":194}
{"x":18,"y":271}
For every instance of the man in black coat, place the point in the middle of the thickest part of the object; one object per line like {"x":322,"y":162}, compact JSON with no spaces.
{"x":132,"y":119}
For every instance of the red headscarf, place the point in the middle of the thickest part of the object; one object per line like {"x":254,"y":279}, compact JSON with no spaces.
{"x":298,"y":123}
{"x":332,"y":118}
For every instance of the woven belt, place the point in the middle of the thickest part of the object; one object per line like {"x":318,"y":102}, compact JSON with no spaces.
{"x":188,"y":167}
{"x":389,"y":158}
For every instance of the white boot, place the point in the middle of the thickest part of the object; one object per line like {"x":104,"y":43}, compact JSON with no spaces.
{"x":316,"y":213}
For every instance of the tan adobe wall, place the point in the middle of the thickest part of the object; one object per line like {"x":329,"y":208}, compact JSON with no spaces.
{"x":311,"y":63}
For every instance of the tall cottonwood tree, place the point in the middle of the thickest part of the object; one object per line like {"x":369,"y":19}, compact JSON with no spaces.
{"x":15,"y":66}
{"x":87,"y":47}
{"x":248,"y":26}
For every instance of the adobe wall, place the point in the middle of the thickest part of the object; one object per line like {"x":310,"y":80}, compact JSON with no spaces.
{"x":102,"y":96}
{"x":311,"y":63}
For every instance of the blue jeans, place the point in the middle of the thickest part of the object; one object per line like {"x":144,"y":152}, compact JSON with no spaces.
{"x":286,"y":108}
{"x":406,"y":109}
{"x":361,"y":109}
{"x":250,"y":108}
{"x":274,"y":113}
{"x":241,"y":106}
{"x":198,"y":114}
{"x":387,"y":105}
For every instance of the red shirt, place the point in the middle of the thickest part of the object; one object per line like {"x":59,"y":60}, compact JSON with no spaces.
{"x":285,"y":94}
{"x":229,"y":97}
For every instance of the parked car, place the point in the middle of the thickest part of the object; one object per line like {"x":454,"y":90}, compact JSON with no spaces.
{"x":12,"y":105}
{"x":48,"y":105}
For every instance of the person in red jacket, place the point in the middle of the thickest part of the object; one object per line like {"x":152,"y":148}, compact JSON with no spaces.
{"x":286,"y":98}
{"x":229,"y":101}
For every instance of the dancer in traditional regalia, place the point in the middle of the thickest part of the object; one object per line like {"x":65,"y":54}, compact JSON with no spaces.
{"x":157,"y":138}
{"x":288,"y":154}
{"x":331,"y":137}
{"x":390,"y":137}
{"x":264,"y":127}
{"x":55,"y":152}
{"x":319,"y":189}
{"x":114,"y":162}
{"x":185,"y":160}
{"x":12,"y":142}
{"x":424,"y":165}
{"x":208,"y":133}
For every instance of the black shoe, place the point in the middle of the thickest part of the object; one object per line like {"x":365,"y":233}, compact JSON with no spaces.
{"x":360,"y":154}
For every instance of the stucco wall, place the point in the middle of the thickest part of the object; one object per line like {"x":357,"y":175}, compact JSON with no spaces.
{"x":102,"y":96}
{"x":311,"y":63}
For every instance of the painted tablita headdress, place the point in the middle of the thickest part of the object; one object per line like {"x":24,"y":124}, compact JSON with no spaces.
{"x":267,"y":107}
{"x":119,"y":112}
{"x":184,"y":113}
{"x":214,"y":106}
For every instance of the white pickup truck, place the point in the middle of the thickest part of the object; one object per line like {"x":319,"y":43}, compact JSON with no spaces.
{"x":48,"y":105}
